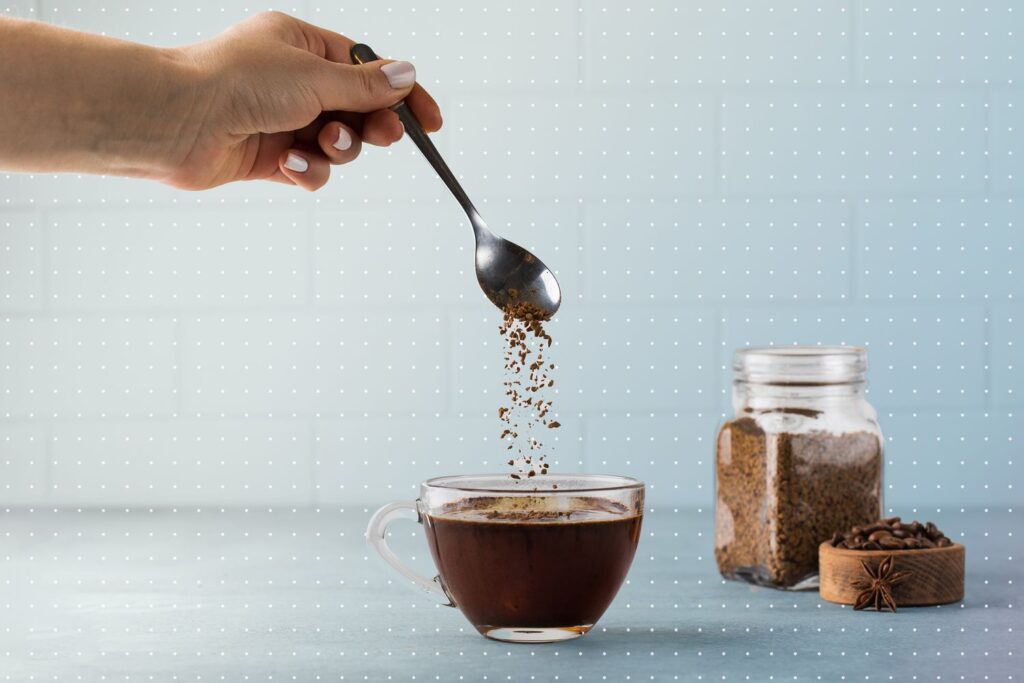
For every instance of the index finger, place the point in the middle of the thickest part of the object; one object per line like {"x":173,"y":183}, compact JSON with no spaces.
{"x":337,"y":48}
{"x":425,"y":108}
{"x":326,"y":43}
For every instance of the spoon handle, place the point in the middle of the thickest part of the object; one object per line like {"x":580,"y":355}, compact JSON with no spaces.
{"x":361,"y":54}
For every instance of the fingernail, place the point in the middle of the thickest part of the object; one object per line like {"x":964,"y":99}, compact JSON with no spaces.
{"x":399,"y":74}
{"x":296,"y":163}
{"x":344,"y":140}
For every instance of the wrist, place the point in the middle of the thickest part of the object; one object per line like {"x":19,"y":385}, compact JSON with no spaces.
{"x":155,"y":114}
{"x":87,"y":103}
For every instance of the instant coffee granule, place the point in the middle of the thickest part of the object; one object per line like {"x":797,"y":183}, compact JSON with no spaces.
{"x":526,"y":410}
{"x":779,"y":495}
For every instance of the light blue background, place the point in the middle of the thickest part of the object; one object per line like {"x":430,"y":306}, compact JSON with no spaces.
{"x":236,"y":378}
{"x":702,"y":176}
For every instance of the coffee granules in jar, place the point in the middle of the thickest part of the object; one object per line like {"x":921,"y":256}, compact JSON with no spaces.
{"x":781,"y":494}
{"x":801,"y":460}
{"x":527,"y":409}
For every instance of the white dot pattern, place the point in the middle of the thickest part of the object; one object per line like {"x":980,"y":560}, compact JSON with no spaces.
{"x":204,"y":395}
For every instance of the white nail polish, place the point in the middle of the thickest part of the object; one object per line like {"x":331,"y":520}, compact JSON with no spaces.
{"x":296,"y":163}
{"x":344,"y":140}
{"x":400,"y":74}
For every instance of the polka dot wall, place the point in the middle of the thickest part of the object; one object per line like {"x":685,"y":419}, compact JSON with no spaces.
{"x":203,"y":396}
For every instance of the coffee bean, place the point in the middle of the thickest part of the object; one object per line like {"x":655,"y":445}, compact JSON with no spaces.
{"x":894,"y":536}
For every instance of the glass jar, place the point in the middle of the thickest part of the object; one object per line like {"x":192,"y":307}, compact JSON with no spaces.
{"x":801,"y":459}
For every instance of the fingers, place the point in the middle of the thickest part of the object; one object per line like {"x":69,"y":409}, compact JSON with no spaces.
{"x":340,"y":143}
{"x":382,"y":128}
{"x":308,"y":170}
{"x":325,"y":43}
{"x":363,"y":87}
{"x":308,"y":134}
{"x":399,"y":76}
{"x":425,"y":108}
{"x":342,"y":86}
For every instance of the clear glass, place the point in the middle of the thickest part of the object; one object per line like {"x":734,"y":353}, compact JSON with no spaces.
{"x":801,"y":459}
{"x":532,"y":561}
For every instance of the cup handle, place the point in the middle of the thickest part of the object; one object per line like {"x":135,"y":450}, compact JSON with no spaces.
{"x":376,"y":535}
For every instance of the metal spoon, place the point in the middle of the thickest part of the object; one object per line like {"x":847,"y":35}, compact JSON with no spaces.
{"x":504,"y":270}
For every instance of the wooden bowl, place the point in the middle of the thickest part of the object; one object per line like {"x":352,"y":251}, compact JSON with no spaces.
{"x":937,"y":574}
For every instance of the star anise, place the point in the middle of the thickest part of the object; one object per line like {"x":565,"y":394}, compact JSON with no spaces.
{"x":877,"y":587}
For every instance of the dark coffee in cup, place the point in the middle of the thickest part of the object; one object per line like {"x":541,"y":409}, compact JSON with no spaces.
{"x":525,"y":562}
{"x":521,"y":564}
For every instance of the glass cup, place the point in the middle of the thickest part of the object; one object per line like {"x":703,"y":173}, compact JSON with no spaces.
{"x":530,"y":561}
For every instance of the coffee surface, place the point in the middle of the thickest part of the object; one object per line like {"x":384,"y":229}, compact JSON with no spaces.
{"x":513,"y":564}
{"x":536,"y":509}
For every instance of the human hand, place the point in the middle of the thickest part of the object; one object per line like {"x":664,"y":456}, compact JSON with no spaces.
{"x":277,"y":98}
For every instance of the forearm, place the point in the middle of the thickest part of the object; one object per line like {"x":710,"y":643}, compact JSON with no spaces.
{"x":72,"y":101}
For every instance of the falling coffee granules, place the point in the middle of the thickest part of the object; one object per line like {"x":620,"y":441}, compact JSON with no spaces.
{"x":891,"y":534}
{"x":779,"y":495}
{"x":526,"y":410}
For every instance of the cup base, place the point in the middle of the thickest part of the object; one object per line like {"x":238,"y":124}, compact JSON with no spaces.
{"x":515,"y":634}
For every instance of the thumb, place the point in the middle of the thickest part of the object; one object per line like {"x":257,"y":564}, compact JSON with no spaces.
{"x":364,"y":87}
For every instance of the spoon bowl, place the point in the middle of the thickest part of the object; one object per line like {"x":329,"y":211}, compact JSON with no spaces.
{"x":505,"y":270}
{"x":509,"y":273}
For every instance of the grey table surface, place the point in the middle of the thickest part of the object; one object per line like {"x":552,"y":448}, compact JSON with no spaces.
{"x":294,"y":595}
